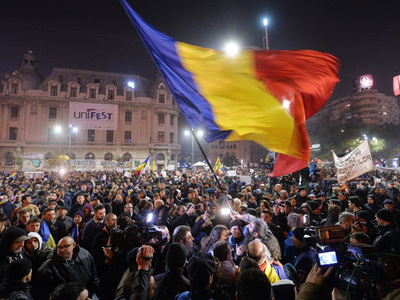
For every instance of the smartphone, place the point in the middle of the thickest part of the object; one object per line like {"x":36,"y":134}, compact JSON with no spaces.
{"x":327,"y":259}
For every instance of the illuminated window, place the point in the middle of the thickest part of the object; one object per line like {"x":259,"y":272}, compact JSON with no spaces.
{"x":90,"y":155}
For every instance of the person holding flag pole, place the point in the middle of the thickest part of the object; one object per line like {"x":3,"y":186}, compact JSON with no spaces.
{"x":139,"y":169}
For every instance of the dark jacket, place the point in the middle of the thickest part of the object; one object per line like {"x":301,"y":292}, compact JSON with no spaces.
{"x":15,"y":290}
{"x":171,"y":284}
{"x":89,"y":232}
{"x":388,"y":239}
{"x":8,"y":209}
{"x":57,"y":270}
{"x":140,"y":285}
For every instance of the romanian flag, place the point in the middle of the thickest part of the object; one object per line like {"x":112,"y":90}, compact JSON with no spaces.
{"x":13,"y":174}
{"x":153,"y":169}
{"x":263,"y":96}
{"x":46,"y":235}
{"x":140,"y":168}
{"x":218,"y":166}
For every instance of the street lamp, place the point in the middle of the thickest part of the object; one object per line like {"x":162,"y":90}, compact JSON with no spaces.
{"x":187,"y":133}
{"x":266,"y":34}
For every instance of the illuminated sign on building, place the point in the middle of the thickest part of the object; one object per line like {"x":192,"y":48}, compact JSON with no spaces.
{"x":396,"y":85}
{"x":363,"y":82}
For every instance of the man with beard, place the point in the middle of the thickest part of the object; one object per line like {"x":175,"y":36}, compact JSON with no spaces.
{"x":93,"y":227}
{"x":11,"y":245}
{"x":78,"y":205}
{"x":57,"y":227}
{"x":236,"y":241}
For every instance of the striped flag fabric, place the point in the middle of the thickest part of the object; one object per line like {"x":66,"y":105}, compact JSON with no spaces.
{"x":46,"y":235}
{"x":141,"y":166}
{"x":263,"y":96}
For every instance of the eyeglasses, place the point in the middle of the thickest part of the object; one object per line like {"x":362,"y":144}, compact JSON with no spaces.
{"x":63,"y":247}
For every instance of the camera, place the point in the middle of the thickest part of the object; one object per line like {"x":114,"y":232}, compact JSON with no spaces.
{"x":357,"y":276}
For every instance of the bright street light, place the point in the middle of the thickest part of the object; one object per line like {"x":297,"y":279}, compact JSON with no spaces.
{"x":198,"y":133}
{"x":57,"y":129}
{"x":232,"y":49}
{"x":266,"y":45}
{"x":265,"y":21}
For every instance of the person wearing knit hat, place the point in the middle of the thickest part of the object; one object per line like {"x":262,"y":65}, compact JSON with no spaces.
{"x":173,"y":282}
{"x":388,"y":239}
{"x":15,"y":285}
{"x":305,"y":256}
{"x":201,"y":270}
{"x":389,"y":205}
{"x":11,"y":245}
{"x":76,"y":229}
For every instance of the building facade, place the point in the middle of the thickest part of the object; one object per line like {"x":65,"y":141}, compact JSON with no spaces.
{"x":369,"y":106}
{"x":35,"y":116}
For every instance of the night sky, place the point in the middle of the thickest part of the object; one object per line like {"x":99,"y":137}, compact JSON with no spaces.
{"x":97,"y":35}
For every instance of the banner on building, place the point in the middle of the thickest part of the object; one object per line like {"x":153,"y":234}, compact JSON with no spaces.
{"x":92,"y":163}
{"x":93,"y":116}
{"x":354,"y":164}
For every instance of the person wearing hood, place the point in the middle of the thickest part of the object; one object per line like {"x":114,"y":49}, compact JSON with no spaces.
{"x":68,"y":262}
{"x":11,"y":248}
{"x":372,"y":205}
{"x":16,"y":284}
{"x":76,"y":229}
{"x":36,"y":251}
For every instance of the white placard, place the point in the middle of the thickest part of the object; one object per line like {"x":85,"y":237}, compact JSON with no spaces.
{"x":231,"y":173}
{"x":127,"y":174}
{"x":354,"y":164}
{"x":93,"y":116}
{"x":246,"y":179}
{"x":171,"y":167}
{"x":163,"y":173}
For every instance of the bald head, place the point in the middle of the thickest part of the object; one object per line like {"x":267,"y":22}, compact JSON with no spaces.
{"x":66,"y":239}
{"x":256,"y":251}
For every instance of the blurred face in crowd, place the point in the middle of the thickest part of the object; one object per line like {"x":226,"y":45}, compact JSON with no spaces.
{"x":24,"y":218}
{"x":62,"y":213}
{"x":296,"y":242}
{"x":129,"y":208}
{"x":50,"y":216}
{"x":78,"y":219}
{"x":65,"y":248}
{"x":32,"y":245}
{"x":379,"y":221}
{"x":16,"y":247}
{"x":236,"y":233}
{"x":266,"y":217}
{"x":303,"y":193}
{"x":182,"y":210}
{"x":188,"y":242}
{"x":80,"y":199}
{"x":370,"y":201}
{"x":28,"y":200}
{"x":111,"y":221}
{"x":99,"y":215}
{"x":389,"y":207}
{"x":224,"y":235}
{"x":33,"y":227}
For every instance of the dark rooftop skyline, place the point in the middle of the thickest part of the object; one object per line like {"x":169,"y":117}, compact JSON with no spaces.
{"x":97,"y":35}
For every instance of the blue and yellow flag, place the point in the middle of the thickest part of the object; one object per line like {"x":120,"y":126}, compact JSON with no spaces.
{"x":263,"y":96}
{"x":218,"y":166}
{"x":143,"y":164}
{"x":153,"y":169}
{"x":46,"y":235}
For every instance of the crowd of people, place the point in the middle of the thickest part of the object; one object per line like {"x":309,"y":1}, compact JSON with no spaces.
{"x":184,"y":236}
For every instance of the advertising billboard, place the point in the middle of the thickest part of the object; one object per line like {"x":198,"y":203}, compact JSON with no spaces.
{"x":363,"y":82}
{"x":93,"y":116}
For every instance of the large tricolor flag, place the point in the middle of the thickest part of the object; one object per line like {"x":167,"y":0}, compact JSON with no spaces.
{"x":142,"y":165}
{"x":263,"y":96}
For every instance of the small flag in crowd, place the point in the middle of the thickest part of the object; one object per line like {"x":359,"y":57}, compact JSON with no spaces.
{"x":218,"y":166}
{"x":140,"y":168}
{"x":263,"y":96}
{"x":153,"y":169}
{"x":13,"y":174}
{"x":46,"y":235}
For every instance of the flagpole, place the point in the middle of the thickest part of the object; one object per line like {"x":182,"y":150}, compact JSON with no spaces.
{"x":209,"y":165}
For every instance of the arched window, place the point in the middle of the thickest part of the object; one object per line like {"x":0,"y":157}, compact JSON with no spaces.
{"x":126,"y":157}
{"x":89,"y":155}
{"x":8,"y":159}
{"x":72,"y":156}
{"x":108,"y":157}
{"x":172,"y":157}
{"x":160,"y":156}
